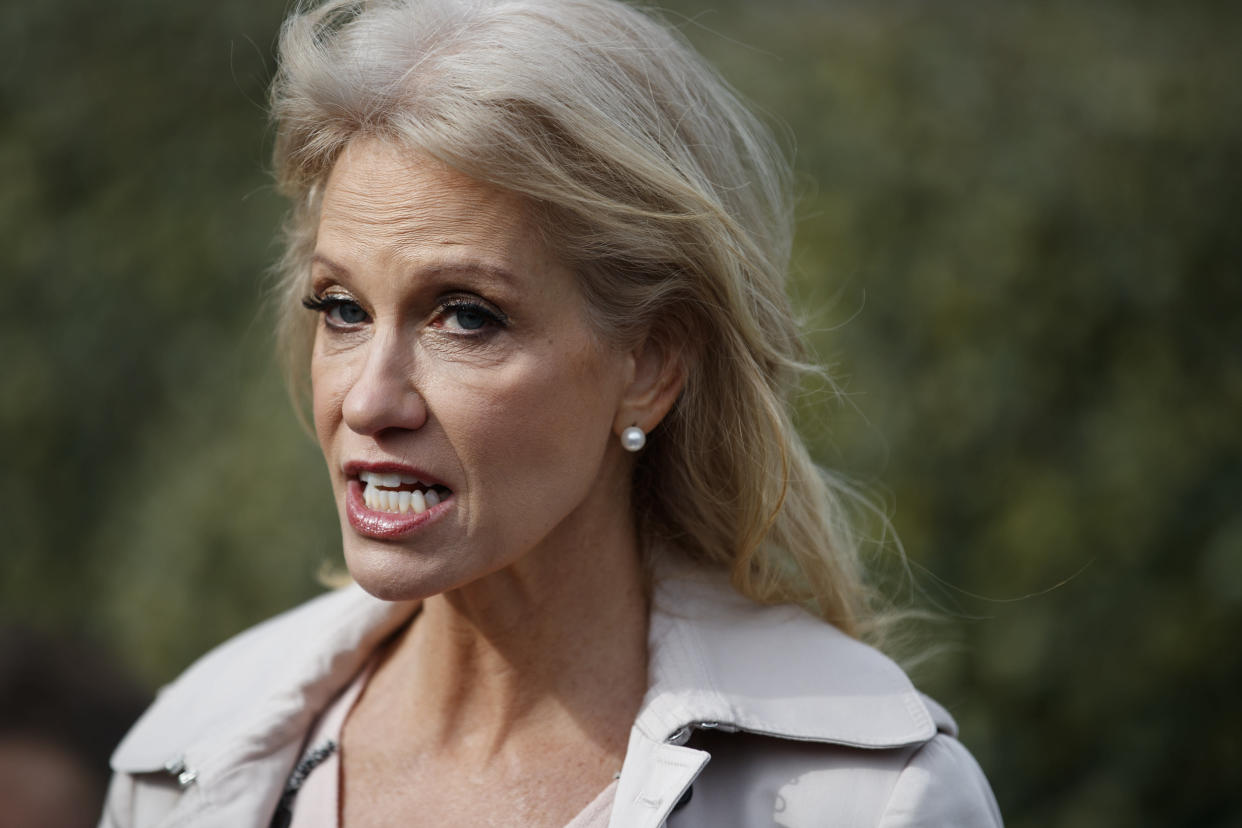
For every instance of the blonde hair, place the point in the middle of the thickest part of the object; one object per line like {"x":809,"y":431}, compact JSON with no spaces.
{"x":662,"y":190}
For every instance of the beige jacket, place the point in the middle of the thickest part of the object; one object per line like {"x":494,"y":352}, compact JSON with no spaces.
{"x":755,"y":716}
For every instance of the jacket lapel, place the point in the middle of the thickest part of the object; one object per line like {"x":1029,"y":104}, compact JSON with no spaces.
{"x":653,"y":779}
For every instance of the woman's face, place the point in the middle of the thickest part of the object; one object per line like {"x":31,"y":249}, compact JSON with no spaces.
{"x":464,"y":406}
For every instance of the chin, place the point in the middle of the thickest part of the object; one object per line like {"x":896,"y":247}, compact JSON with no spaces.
{"x":397,"y":574}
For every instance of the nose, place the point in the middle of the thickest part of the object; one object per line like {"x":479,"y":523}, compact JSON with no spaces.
{"x":384,"y":395}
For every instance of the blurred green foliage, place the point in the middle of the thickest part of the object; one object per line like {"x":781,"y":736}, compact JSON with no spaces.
{"x":1019,"y":249}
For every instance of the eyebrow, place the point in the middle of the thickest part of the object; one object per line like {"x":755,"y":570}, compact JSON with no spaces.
{"x":445,"y":268}
{"x":319,"y":258}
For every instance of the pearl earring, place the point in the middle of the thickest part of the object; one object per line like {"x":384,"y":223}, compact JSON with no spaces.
{"x":633,"y":439}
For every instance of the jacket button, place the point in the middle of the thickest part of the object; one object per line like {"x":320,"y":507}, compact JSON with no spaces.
{"x":680,"y":737}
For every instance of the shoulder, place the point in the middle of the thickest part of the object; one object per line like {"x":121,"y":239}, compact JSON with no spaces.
{"x":760,"y":780}
{"x":941,"y":784}
{"x":774,"y":670}
{"x":797,"y":723}
{"x":261,"y":679}
{"x":218,"y":743}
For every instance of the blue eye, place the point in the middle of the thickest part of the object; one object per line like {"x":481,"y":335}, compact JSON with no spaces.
{"x":470,"y":319}
{"x":338,"y":311}
{"x":349,"y":312}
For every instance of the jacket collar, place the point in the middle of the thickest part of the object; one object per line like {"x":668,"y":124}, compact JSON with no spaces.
{"x":718,"y":660}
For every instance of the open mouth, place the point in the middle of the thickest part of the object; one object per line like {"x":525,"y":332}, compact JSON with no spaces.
{"x":399,"y":493}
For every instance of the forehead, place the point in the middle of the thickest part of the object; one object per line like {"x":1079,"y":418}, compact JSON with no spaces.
{"x":393,"y":201}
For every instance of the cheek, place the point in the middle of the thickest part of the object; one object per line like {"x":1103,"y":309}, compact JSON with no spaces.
{"x":542,"y":430}
{"x":329,"y":385}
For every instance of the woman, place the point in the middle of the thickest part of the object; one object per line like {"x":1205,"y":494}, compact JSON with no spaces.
{"x":535,"y":265}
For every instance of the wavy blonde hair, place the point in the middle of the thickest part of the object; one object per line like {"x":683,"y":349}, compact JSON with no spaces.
{"x":663,"y":191}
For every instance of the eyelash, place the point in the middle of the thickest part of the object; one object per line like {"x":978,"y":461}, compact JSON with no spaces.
{"x":491,"y":316}
{"x":326,"y":304}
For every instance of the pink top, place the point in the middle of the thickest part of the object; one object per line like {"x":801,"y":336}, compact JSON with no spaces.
{"x":318,"y":802}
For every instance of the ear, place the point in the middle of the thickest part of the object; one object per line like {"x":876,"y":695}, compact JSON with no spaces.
{"x":657,"y":376}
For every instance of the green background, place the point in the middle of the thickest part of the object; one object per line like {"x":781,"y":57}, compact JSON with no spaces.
{"x":1019,"y":250}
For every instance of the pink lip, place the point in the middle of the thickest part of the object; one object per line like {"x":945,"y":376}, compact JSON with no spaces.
{"x":387,"y":525}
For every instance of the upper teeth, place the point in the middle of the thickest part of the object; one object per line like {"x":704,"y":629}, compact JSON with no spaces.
{"x":387,"y":500}
{"x":388,"y":481}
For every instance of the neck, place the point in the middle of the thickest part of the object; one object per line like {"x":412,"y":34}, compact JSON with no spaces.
{"x":555,"y":644}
